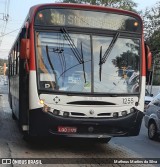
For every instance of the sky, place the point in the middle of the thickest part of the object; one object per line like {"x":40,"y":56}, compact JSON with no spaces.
{"x":18,"y":9}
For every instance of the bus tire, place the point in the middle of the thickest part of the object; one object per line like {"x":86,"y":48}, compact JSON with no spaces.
{"x":13,"y":116}
{"x":152,"y":130}
{"x":30,"y":139}
{"x":27,"y":137}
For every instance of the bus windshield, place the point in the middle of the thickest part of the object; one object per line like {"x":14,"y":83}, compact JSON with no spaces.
{"x":71,"y":62}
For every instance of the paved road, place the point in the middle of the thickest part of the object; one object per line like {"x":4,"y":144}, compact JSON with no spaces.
{"x":3,"y":89}
{"x":12,"y":145}
{"x":140,"y":144}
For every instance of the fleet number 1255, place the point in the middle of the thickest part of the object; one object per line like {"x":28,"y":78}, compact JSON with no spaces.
{"x":128,"y":101}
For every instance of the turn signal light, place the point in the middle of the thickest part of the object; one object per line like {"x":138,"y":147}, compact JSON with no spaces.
{"x":66,"y":114}
{"x":132,"y":110}
{"x":56,"y":112}
{"x":124,"y":113}
{"x":115,"y":114}
{"x":46,"y":108}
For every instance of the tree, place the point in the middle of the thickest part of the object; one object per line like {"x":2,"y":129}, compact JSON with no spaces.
{"x":151,"y":18}
{"x":122,"y":4}
{"x":126,"y":59}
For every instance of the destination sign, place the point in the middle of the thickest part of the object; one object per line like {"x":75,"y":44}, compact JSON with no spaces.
{"x":90,"y":19}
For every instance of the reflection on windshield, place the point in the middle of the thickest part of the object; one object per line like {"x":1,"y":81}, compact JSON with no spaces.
{"x":120,"y":72}
{"x":60,"y":70}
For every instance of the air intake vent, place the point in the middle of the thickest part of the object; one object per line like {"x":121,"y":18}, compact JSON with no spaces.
{"x":91,"y":103}
{"x":77,"y":114}
{"x":104,"y":114}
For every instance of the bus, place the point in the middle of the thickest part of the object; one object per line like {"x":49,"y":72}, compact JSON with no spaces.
{"x":63,"y":72}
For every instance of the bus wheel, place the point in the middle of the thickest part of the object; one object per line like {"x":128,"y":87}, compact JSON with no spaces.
{"x":152,"y":131}
{"x":31,"y":139}
{"x":27,"y":137}
{"x":13,"y":116}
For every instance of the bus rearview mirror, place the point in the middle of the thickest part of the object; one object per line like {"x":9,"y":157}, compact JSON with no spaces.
{"x":25,"y":49}
{"x":148,"y":56}
{"x":149,"y":65}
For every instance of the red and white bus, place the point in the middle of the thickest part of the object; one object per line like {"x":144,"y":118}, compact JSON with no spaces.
{"x":64,"y":72}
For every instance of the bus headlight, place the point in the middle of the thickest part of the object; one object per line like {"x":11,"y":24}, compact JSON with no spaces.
{"x":115,"y":114}
{"x":132,"y":110}
{"x":124,"y":113}
{"x":41,"y":101}
{"x":66,"y":114}
{"x":56,"y":112}
{"x":46,"y":108}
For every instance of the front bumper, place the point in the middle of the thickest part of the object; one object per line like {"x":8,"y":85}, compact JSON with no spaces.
{"x":44,"y":124}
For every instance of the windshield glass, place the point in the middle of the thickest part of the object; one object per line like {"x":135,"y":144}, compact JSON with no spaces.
{"x":120,"y":72}
{"x":68,"y":62}
{"x":58,"y":66}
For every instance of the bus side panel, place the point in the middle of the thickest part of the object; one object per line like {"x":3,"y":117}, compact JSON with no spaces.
{"x":14,"y":95}
{"x":33,"y":93}
{"x":18,"y":95}
{"x":9,"y":93}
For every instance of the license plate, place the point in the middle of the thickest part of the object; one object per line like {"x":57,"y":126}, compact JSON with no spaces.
{"x":64,"y":129}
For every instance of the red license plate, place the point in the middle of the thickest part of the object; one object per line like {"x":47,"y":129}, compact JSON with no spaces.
{"x":64,"y":129}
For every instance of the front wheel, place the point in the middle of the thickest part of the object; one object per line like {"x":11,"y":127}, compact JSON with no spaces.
{"x":29,"y":139}
{"x":152,"y":131}
{"x":13,"y":116}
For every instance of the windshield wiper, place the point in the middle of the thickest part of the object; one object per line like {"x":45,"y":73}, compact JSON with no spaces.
{"x":83,"y":63}
{"x":51,"y":65}
{"x":49,"y":60}
{"x":75,"y":51}
{"x":100,"y":63}
{"x":73,"y":47}
{"x":106,"y":54}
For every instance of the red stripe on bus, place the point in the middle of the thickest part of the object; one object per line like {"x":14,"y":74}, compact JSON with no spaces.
{"x":143,"y":67}
{"x":32,"y":65}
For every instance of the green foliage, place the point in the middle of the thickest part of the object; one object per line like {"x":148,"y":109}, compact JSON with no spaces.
{"x":151,"y":19}
{"x":154,"y":41}
{"x":122,"y":4}
{"x":156,"y":80}
{"x":126,"y":59}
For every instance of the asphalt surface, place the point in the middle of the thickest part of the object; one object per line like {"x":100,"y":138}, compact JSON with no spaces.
{"x":140,"y":144}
